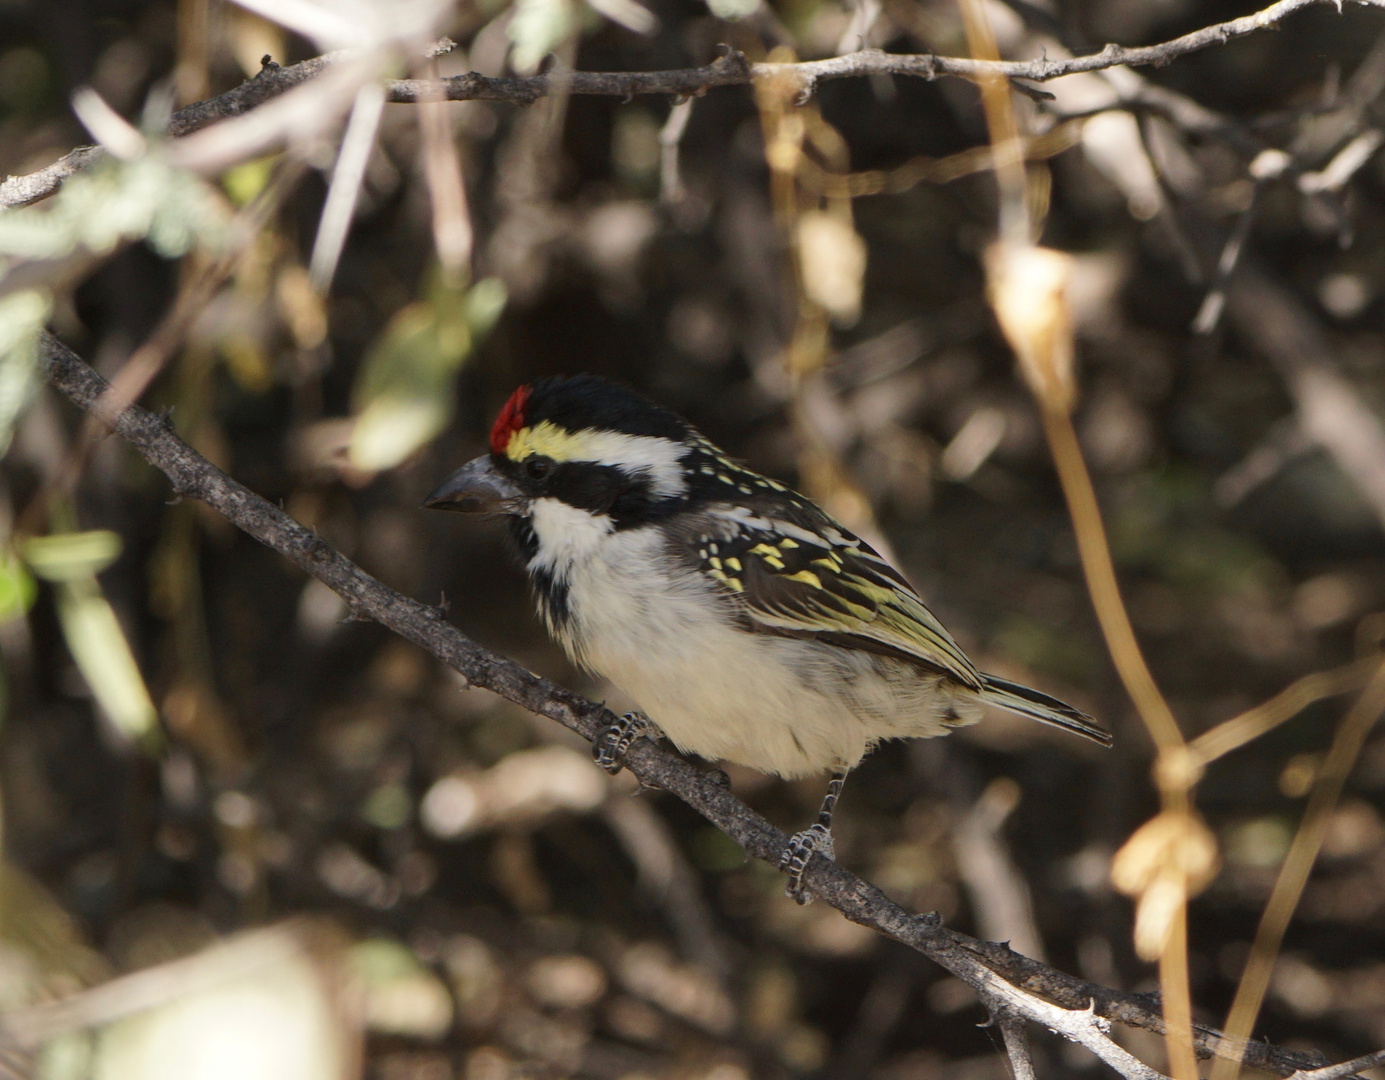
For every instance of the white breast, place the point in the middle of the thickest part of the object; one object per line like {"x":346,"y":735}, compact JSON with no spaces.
{"x":660,"y":632}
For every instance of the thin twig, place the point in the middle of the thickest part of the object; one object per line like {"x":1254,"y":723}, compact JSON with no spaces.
{"x":1209,"y":313}
{"x":730,"y":70}
{"x":442,"y":168}
{"x":1342,"y":1070}
{"x":671,"y":188}
{"x":1274,"y":322}
{"x":347,"y":177}
{"x":1037,"y":989}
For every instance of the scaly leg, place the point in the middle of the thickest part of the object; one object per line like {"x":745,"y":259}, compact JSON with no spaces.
{"x":611,"y":742}
{"x":814,"y":840}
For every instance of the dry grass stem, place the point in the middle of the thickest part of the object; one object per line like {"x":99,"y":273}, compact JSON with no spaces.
{"x":1100,"y":572}
{"x":347,"y":177}
{"x":442,"y":167}
{"x":1006,"y":146}
{"x":1293,"y":875}
{"x":1284,"y":706}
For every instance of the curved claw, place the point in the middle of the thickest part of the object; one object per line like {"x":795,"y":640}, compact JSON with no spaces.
{"x":613,"y":741}
{"x":798,"y":852}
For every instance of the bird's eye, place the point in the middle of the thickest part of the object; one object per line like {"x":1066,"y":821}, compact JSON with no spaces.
{"x":538,"y":468}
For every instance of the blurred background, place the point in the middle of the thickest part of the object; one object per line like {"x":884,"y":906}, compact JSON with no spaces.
{"x":446,"y":887}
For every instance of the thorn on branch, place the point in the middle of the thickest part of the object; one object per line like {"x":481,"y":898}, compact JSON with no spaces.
{"x":1033,"y":93}
{"x":313,"y":548}
{"x":731,"y":64}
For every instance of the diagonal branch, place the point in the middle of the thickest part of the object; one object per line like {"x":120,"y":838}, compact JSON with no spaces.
{"x":1343,"y":1070}
{"x":733,"y":69}
{"x":1026,"y":987}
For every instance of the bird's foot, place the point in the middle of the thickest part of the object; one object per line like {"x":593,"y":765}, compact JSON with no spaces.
{"x":612,"y":741}
{"x":802,"y":846}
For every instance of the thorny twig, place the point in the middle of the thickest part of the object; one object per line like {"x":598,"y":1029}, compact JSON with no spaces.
{"x":1014,"y":984}
{"x":733,"y":69}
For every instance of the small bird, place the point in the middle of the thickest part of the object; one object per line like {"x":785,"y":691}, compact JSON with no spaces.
{"x":747,"y":624}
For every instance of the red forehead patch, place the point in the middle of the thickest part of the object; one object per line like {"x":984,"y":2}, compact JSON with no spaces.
{"x":510,"y":420}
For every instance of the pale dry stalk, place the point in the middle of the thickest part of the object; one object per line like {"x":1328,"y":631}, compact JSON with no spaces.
{"x":1293,"y":875}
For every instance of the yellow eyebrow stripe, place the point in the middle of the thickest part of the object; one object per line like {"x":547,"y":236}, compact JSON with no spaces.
{"x":546,"y":439}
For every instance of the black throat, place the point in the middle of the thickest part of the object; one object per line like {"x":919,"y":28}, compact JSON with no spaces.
{"x":550,"y":592}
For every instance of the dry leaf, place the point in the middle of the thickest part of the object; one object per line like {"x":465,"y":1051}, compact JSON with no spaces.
{"x":1169,"y":859}
{"x":1028,"y":290}
{"x":833,"y":258}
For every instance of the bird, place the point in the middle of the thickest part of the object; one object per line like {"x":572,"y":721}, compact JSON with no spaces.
{"x":746,"y":623}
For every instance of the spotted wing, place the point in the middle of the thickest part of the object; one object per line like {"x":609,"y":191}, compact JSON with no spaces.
{"x":793,"y":571}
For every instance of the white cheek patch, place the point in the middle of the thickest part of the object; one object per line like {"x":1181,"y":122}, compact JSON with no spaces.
{"x":567,"y":535}
{"x":636,"y":455}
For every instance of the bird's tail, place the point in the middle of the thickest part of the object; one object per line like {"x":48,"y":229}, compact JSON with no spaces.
{"x":1041,"y":707}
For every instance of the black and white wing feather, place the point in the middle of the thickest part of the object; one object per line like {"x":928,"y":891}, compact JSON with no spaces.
{"x":791,"y":570}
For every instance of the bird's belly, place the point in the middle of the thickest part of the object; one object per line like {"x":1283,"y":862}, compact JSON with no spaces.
{"x":779,"y":705}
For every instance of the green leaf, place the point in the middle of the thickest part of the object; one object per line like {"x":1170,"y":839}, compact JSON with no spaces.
{"x":71,"y":562}
{"x":98,"y":644}
{"x":71,"y":556}
{"x":405,"y":391}
{"x":244,"y":181}
{"x":17,"y":588}
{"x":388,"y":807}
{"x":22,"y":315}
{"x":484,"y":304}
{"x":391,"y":428}
{"x":117,"y":201}
{"x":537,"y":28}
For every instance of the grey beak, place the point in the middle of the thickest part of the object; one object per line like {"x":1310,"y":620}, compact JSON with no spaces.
{"x":476,"y":488}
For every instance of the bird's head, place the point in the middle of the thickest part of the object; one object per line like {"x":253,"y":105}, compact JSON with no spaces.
{"x":591,"y":444}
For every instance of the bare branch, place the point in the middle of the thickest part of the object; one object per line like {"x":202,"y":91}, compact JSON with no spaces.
{"x":23,"y":190}
{"x":1030,"y":989}
{"x":1017,"y":1046}
{"x":1082,"y":1026}
{"x":730,"y":70}
{"x":1345,"y":1069}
